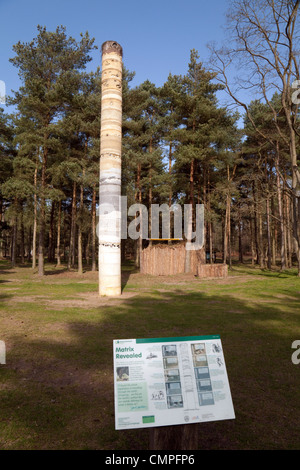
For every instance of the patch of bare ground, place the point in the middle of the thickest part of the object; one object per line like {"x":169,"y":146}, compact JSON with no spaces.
{"x":91,"y":300}
{"x":81,"y":300}
{"x":60,"y":275}
{"x":188,"y":279}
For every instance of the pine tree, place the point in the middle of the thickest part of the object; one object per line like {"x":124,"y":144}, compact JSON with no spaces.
{"x":170,"y":96}
{"x":7,"y":153}
{"x":46,"y":67}
{"x":197,"y":133}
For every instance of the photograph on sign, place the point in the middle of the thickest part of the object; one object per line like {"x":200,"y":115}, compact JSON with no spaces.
{"x":170,"y":381}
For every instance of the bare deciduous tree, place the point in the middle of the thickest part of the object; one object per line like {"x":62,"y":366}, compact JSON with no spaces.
{"x":265,"y":46}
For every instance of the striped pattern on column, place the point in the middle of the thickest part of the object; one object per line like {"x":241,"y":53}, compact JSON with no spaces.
{"x":110,"y":171}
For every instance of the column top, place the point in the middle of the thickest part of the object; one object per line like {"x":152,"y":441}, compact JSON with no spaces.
{"x":112,"y":46}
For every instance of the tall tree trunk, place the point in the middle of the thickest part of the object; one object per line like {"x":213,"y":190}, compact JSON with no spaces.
{"x":226,"y":238}
{"x":269,"y":245}
{"x":138,"y":198}
{"x":29,"y":244}
{"x":187,"y":266}
{"x":284,"y":213}
{"x":34,"y":220}
{"x":225,"y":235}
{"x":170,"y":173}
{"x":79,"y":269}
{"x":258,"y":226}
{"x":71,"y":260}
{"x":255,"y":231}
{"x":240,"y":230}
{"x":150,"y":206}
{"x":58,"y":260}
{"x":260,"y":235}
{"x":150,"y":190}
{"x":140,"y":240}
{"x":1,"y":238}
{"x":274,"y":231}
{"x":289,"y":241}
{"x":87,"y":249}
{"x":42,"y":221}
{"x":280,"y":211}
{"x":211,"y":246}
{"x":295,"y":176}
{"x":269,"y":259}
{"x":22,"y":240}
{"x":227,"y":222}
{"x":80,"y":231}
{"x":252,"y":238}
{"x":94,"y":266}
{"x":210,"y":227}
{"x":14,"y":236}
{"x":51,"y":234}
{"x":170,"y":190}
{"x":229,"y":233}
{"x":41,"y":265}
{"x":204,"y":200}
{"x":14,"y":243}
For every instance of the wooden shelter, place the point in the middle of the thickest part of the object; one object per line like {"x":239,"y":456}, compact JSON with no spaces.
{"x":165,"y":260}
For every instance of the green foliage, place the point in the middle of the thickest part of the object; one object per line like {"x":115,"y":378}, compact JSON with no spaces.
{"x":179,"y":144}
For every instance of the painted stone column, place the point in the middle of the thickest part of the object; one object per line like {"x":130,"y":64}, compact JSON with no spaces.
{"x":110,"y":171}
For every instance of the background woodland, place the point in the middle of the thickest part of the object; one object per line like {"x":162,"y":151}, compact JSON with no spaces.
{"x":179,"y":145}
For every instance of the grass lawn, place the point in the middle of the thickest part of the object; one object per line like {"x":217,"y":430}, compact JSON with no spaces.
{"x":56,"y":389}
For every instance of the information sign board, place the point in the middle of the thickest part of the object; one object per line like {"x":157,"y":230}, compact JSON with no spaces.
{"x":170,"y":381}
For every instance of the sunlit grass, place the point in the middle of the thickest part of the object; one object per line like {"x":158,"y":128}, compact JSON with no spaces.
{"x":57,"y":386}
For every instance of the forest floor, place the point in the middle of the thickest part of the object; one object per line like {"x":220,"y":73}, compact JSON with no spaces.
{"x":56,"y":388}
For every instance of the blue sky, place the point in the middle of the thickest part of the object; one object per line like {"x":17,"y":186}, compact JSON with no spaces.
{"x":156,"y":36}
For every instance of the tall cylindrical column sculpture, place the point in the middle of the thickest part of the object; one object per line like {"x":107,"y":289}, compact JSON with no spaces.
{"x":110,"y":171}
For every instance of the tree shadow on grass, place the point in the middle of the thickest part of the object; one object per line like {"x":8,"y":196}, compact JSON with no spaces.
{"x":273,"y":273}
{"x":5,"y":296}
{"x":6,"y":268}
{"x":56,"y":271}
{"x":58,"y":381}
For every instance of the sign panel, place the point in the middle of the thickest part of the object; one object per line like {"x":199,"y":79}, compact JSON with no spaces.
{"x":170,"y":381}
